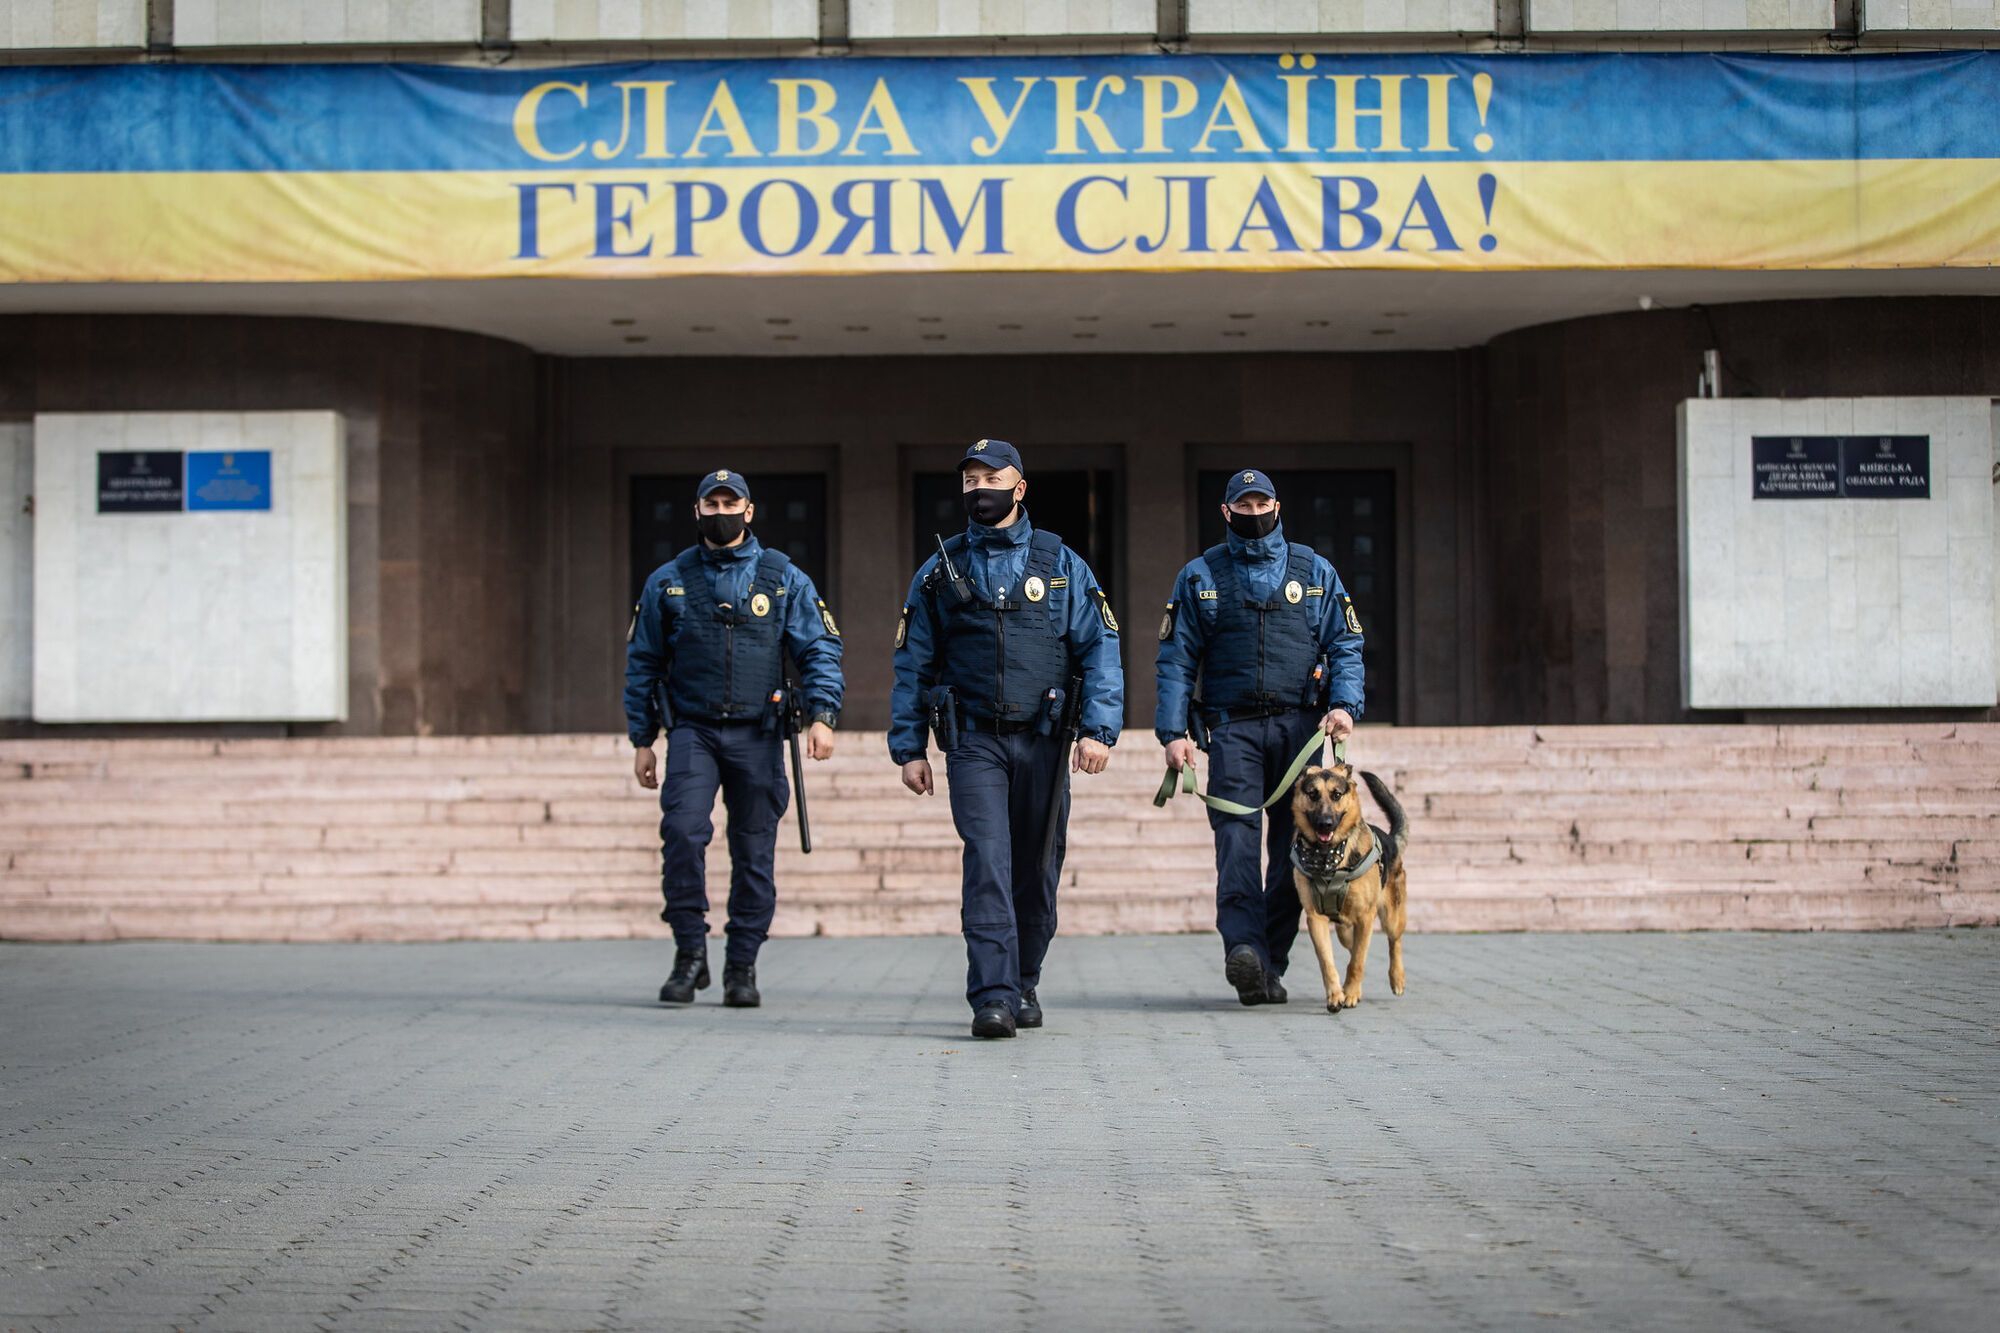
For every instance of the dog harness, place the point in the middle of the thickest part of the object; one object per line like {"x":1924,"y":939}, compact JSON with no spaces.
{"x":1325,"y":876}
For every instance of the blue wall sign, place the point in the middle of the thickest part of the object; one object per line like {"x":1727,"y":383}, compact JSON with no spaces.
{"x":229,"y":480}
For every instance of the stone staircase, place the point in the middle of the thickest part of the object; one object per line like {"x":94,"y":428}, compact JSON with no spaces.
{"x":511,"y":837}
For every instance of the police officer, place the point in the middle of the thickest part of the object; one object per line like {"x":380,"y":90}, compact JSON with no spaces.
{"x":998,"y":633}
{"x":713,"y":625}
{"x":1259,"y":638}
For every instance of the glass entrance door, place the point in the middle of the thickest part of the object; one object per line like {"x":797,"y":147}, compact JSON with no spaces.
{"x":1079,"y":505}
{"x":791,"y":517}
{"x":1348,"y":516}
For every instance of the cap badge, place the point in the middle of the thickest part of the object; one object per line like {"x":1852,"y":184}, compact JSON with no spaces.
{"x":1249,"y":476}
{"x":1035,"y":589}
{"x":1293,"y":591}
{"x":977,"y":448}
{"x":760,"y":605}
{"x":722,"y":475}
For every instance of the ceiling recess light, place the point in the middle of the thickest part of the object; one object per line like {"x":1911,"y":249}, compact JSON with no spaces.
{"x":635,"y":337}
{"x":1318,"y":323}
{"x":1234,"y":333}
{"x":1244,"y":315}
{"x":701,"y":328}
{"x":623,"y":323}
{"x":854,"y":328}
{"x":1382,"y":333}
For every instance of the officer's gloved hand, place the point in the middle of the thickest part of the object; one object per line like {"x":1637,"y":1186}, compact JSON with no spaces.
{"x":1089,"y":756}
{"x":1180,"y":753}
{"x":1337,"y":725}
{"x":917,"y":776}
{"x":646,"y":767}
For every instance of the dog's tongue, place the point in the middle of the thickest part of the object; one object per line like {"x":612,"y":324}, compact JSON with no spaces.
{"x":1327,"y":836}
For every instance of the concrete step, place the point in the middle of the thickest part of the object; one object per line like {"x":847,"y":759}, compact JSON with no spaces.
{"x":521,"y":837}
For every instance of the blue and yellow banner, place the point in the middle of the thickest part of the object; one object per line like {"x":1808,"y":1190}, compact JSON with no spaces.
{"x":232,"y":173}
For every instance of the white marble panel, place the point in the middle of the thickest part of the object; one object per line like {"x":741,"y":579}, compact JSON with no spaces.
{"x":17,"y":568}
{"x":1839,"y":603}
{"x":72,"y":25}
{"x":201,"y":23}
{"x":1930,"y":15}
{"x":209,"y":615}
{"x":869,"y":20}
{"x":1557,"y":16}
{"x":664,"y":20}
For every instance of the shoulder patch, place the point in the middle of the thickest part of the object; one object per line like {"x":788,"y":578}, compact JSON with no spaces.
{"x":1167,"y":624}
{"x":1104,"y":609}
{"x":826,"y":618}
{"x":903,"y":627}
{"x":633,"y":628}
{"x":1353,"y":621}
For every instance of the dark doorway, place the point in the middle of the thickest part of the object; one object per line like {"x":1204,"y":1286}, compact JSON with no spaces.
{"x":791,"y":517}
{"x":1350,"y":518}
{"x":1080,"y":505}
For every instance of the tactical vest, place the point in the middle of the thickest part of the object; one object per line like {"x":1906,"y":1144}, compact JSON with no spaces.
{"x":727,"y":659}
{"x":1260,"y":655}
{"x":1003,"y":656}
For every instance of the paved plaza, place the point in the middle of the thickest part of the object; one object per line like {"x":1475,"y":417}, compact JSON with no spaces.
{"x":1700,"y":1132}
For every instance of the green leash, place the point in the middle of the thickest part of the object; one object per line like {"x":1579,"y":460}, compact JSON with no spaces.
{"x":1299,"y":765}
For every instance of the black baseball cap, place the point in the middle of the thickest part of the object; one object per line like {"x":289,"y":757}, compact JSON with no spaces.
{"x":995,"y":454}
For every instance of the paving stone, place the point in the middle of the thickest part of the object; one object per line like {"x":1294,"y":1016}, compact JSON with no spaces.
{"x":1660,"y":1131}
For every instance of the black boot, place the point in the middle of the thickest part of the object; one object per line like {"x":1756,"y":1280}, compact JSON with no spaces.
{"x":690,"y":974}
{"x":1274,"y":989}
{"x":1246,"y":973}
{"x":739,"y":986}
{"x":1029,"y":1015}
{"x":993,"y":1020}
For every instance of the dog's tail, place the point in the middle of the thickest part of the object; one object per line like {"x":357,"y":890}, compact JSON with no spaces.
{"x":1399,"y":823}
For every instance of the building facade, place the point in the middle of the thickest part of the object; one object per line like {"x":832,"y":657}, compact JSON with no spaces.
{"x":1464,"y":278}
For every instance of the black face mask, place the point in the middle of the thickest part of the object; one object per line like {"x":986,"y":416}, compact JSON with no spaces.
{"x":989,"y":506}
{"x":720,"y":529}
{"x":1252,"y":526}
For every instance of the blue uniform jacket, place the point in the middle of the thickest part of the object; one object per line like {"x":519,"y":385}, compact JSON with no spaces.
{"x":1190,"y":618}
{"x":997,"y":557}
{"x":810,"y":635}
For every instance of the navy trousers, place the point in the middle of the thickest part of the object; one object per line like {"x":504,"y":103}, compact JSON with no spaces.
{"x":749,"y":767}
{"x":1255,"y":904}
{"x":1000,"y":789}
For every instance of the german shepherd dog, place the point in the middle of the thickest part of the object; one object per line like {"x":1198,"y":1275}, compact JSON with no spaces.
{"x":1332,"y":839}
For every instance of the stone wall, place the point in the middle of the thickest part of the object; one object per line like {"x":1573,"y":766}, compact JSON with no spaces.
{"x":1837,"y":602}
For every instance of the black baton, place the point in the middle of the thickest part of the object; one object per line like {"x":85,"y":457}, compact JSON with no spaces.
{"x":793,"y":721}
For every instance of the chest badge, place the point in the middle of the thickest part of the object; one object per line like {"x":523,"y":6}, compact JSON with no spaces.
{"x":760,"y":605}
{"x":1293,"y":591}
{"x":1036,"y":589}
